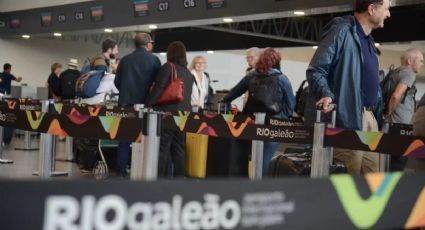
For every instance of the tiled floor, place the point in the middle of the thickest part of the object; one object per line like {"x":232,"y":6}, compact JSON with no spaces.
{"x":26,"y":162}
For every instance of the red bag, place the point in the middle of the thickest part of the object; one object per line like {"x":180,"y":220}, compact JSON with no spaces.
{"x":174,"y":92}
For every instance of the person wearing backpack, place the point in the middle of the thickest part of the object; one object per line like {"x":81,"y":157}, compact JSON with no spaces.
{"x":399,"y":92}
{"x":401,"y":103}
{"x":68,"y":79}
{"x":270,"y":91}
{"x":109,"y":52}
{"x":418,"y":121}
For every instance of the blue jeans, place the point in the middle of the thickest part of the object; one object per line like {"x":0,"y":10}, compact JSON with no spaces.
{"x":123,"y":157}
{"x":268,"y":152}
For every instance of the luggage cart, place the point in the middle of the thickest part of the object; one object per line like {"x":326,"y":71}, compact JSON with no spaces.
{"x":101,"y":169}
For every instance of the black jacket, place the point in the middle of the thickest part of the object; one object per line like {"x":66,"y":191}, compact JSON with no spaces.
{"x":161,"y":82}
{"x":135,"y":75}
{"x":54,"y":85}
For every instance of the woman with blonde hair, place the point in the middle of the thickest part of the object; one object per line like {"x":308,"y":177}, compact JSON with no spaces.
{"x":202,"y":81}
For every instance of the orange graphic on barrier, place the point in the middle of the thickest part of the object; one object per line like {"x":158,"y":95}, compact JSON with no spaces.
{"x":94,"y":110}
{"x":413,"y":147}
{"x":11,"y":104}
{"x":236,"y":132}
{"x":417,"y":217}
{"x":56,"y":129}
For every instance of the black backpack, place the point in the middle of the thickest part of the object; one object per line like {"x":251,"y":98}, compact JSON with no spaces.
{"x":264,"y":94}
{"x":301,"y":98}
{"x":388,"y":87}
{"x":68,"y":80}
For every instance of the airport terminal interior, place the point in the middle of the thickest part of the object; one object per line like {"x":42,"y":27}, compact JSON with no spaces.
{"x":212,"y":114}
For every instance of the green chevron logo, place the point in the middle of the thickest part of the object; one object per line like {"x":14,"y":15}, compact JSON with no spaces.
{"x":364,"y":213}
{"x":35,"y":123}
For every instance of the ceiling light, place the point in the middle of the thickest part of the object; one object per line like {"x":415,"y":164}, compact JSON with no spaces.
{"x":153,"y":27}
{"x":107,"y":30}
{"x":26,"y":36}
{"x":315,"y":47}
{"x":57,"y":34}
{"x":299,"y":13}
{"x":227,"y":20}
{"x":377,"y":44}
{"x":210,"y":52}
{"x":162,"y":54}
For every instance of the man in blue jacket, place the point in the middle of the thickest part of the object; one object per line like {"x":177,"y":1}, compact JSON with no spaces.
{"x":135,"y":75}
{"x":344,"y":71}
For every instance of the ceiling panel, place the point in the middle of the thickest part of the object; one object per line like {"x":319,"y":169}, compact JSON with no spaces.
{"x":14,"y":5}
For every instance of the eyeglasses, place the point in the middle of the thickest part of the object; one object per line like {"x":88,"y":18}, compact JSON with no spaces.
{"x":200,"y":62}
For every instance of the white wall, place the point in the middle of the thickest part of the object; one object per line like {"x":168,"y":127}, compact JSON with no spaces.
{"x":32,"y":58}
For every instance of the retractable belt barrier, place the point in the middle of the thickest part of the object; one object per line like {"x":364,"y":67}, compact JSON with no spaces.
{"x":376,"y":201}
{"x":86,"y":121}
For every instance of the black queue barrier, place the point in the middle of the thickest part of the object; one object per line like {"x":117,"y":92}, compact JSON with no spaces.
{"x":238,"y":126}
{"x":25,"y":105}
{"x":376,"y":201}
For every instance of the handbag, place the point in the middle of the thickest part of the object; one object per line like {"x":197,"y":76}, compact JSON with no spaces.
{"x":174,"y":92}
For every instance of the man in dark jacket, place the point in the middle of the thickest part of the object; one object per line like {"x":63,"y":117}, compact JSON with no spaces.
{"x":344,"y":71}
{"x":134,"y":77}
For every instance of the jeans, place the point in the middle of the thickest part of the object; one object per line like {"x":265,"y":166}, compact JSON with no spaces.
{"x":123,"y":157}
{"x":268,"y":152}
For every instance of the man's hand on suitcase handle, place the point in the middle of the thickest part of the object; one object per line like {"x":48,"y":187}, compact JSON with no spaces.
{"x":325,"y":104}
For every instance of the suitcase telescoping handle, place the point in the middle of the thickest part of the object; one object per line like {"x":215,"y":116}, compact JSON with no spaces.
{"x":319,"y":108}
{"x":219,"y":107}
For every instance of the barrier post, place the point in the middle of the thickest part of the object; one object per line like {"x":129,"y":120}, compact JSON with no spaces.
{"x":321,"y":155}
{"x":2,"y":160}
{"x":27,"y":143}
{"x":55,"y":173}
{"x":46,"y":149}
{"x":47,"y":156}
{"x":150,"y":145}
{"x":257,"y":151}
{"x":384,"y":159}
{"x":69,"y":151}
{"x":136,"y":163}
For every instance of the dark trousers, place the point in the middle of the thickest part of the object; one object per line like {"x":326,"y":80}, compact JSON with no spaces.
{"x":172,"y":151}
{"x":123,"y":157}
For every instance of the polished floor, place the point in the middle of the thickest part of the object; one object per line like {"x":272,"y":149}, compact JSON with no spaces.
{"x":26,"y":162}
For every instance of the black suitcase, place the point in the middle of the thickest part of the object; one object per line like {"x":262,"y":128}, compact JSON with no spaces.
{"x":298,"y":163}
{"x":86,"y":151}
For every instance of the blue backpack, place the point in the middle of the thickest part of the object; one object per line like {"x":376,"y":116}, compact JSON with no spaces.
{"x":88,"y":83}
{"x":86,"y":66}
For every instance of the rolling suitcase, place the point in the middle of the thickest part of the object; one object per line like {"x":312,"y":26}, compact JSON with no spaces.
{"x":298,"y":163}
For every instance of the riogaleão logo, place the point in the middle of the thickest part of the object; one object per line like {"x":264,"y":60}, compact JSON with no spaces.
{"x":364,"y":213}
